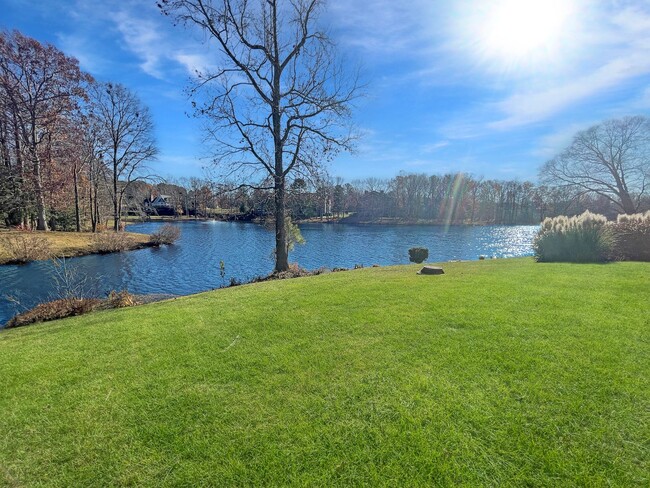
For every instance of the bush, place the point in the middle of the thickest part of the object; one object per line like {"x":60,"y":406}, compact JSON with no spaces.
{"x":632,"y":235}
{"x":63,"y":221}
{"x":418,"y":254}
{"x":168,"y":234}
{"x":57,"y":309}
{"x":106,"y":242}
{"x":27,"y":246}
{"x":121,"y":299}
{"x":581,"y":239}
{"x":71,"y":306}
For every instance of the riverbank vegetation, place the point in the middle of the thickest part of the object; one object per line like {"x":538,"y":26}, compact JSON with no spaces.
{"x":25,"y":246}
{"x":376,"y":376}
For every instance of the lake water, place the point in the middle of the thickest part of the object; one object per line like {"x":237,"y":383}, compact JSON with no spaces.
{"x":192,"y":264}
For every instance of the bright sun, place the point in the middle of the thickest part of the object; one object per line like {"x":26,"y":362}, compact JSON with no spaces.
{"x":517,"y":29}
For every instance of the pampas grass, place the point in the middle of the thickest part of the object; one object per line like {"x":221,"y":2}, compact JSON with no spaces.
{"x":584,"y":238}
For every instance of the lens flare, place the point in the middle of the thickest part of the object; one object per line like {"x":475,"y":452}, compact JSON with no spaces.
{"x":521,"y":28}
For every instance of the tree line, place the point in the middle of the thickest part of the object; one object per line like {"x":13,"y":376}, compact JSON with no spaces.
{"x":453,"y":198}
{"x":74,"y":154}
{"x":70,"y":146}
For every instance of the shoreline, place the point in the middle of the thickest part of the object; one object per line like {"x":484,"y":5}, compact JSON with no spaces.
{"x":67,"y":245}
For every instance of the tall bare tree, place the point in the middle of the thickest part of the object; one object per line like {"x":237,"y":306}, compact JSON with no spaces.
{"x":611,"y":159}
{"x":125,"y":130}
{"x":39,"y":85}
{"x":279,"y":105}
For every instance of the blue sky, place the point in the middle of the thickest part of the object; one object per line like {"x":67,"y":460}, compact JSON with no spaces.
{"x":492,"y":88}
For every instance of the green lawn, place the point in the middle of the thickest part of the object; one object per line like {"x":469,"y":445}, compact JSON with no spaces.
{"x":498,"y":373}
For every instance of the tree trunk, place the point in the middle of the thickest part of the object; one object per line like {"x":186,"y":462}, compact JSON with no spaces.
{"x":77,"y":216}
{"x":116,"y":203}
{"x":41,"y":221}
{"x":97,"y":219}
{"x":626,"y":203}
{"x":281,"y":254}
{"x":91,"y":204}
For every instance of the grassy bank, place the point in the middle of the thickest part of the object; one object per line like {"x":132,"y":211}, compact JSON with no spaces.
{"x":63,"y":244}
{"x":498,"y":373}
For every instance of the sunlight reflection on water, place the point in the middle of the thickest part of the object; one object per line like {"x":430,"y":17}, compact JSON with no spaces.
{"x":192,"y":265}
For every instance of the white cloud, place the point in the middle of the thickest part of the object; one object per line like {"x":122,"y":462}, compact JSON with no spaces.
{"x":144,"y":39}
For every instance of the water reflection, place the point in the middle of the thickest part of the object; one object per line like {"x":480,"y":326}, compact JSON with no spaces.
{"x":192,"y":265}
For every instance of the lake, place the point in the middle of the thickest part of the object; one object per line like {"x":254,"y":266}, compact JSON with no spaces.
{"x":192,"y":264}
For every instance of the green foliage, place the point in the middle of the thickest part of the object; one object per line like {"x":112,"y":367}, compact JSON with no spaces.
{"x":504,"y":373}
{"x":581,"y":239}
{"x":294,"y":236}
{"x":418,"y":254}
{"x":64,"y":220}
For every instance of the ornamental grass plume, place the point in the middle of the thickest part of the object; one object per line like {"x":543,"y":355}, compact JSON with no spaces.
{"x":580,"y":239}
{"x":632,"y":234}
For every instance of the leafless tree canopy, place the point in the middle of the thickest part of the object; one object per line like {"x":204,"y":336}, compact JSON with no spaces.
{"x":279,"y":105}
{"x":124,"y":130}
{"x":610,"y":159}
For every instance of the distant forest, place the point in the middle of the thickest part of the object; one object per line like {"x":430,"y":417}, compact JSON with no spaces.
{"x":451,"y":198}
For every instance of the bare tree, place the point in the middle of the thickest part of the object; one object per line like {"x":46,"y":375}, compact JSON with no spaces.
{"x":610,"y":159}
{"x":278,"y":106}
{"x":126,"y":132}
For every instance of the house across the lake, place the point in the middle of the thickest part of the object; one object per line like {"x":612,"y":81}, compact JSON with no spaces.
{"x":160,"y":205}
{"x":162,"y":202}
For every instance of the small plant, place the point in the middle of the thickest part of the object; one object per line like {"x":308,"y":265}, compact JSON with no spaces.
{"x":68,"y":281}
{"x":106,"y":242}
{"x":418,"y":254}
{"x":222,"y":272}
{"x":27,"y":246}
{"x":294,"y":236}
{"x":584,"y":238}
{"x":168,"y":234}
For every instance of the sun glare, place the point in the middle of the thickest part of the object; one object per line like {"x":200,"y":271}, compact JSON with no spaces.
{"x":518,"y":29}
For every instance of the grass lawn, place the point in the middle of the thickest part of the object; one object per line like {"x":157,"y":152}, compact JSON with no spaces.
{"x":63,"y":244}
{"x":498,"y":373}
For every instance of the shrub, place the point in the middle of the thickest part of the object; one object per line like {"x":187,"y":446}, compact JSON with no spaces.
{"x":56,"y":309}
{"x":121,"y":299}
{"x":581,"y":239}
{"x":632,"y":235}
{"x":418,"y":254}
{"x":27,"y":246}
{"x":71,"y":306}
{"x":63,"y":221}
{"x":168,"y":234}
{"x":105,"y":242}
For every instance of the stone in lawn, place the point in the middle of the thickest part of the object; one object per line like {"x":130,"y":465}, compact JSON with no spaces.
{"x":431,"y":270}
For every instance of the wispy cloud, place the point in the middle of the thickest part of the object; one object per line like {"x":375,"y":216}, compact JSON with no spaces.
{"x":144,"y":39}
{"x":625,"y":56}
{"x":609,"y":48}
